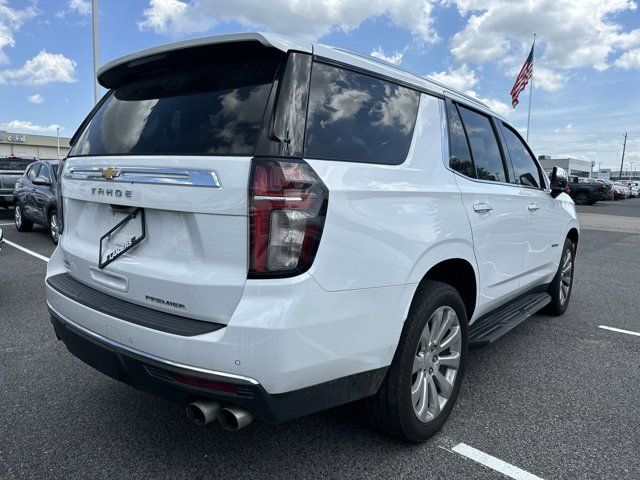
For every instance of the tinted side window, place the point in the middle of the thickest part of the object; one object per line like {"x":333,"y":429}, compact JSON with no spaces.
{"x":524,"y":165}
{"x":459,"y":156}
{"x":487,"y":157}
{"x":33,"y":171}
{"x":358,"y":118}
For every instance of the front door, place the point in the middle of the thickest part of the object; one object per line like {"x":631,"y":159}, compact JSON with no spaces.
{"x":40,"y":195}
{"x":545,"y":219}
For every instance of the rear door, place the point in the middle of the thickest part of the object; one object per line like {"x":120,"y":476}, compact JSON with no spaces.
{"x":494,"y":206}
{"x":545,"y":224}
{"x":175,"y":140}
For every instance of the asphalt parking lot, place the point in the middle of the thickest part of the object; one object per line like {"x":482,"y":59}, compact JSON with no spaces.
{"x":558,"y":397}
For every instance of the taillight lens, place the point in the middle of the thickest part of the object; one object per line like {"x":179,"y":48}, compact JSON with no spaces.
{"x":287,"y":208}
{"x":59,"y":199}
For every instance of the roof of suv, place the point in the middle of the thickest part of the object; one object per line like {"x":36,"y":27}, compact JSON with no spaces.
{"x":286,"y":44}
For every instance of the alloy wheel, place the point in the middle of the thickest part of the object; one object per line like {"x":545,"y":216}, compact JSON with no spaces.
{"x":53,"y":227}
{"x":18,"y":216}
{"x":565,"y":275}
{"x":436,"y":364}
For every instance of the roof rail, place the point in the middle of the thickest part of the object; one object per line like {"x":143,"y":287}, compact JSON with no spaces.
{"x":415,"y":75}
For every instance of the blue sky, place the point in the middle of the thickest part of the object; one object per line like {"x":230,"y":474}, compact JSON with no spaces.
{"x":587,"y":65}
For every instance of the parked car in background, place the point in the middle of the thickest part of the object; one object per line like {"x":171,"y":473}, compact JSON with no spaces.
{"x":606,"y":190}
{"x":585,"y":193}
{"x":36,"y":198}
{"x":634,"y":188}
{"x":620,"y":191}
{"x":308,"y":251}
{"x":11,"y":169}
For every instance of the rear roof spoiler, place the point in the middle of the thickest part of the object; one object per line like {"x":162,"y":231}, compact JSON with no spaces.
{"x":110,"y":74}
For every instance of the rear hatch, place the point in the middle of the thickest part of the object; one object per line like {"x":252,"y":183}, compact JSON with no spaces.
{"x":175,"y":138}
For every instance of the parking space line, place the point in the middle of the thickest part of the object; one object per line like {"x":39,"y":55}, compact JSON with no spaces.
{"x":7,"y":224}
{"x":26,"y":250}
{"x":619,"y":330}
{"x":493,"y":463}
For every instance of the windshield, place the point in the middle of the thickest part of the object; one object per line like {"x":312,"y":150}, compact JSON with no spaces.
{"x":207,"y":109}
{"x":17,"y":164}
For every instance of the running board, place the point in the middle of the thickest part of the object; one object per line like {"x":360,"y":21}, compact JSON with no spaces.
{"x":489,"y":328}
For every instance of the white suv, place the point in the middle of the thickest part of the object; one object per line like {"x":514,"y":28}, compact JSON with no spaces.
{"x":258,"y":227}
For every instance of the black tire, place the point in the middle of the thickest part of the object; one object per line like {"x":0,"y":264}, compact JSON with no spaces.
{"x":22,"y":224}
{"x":391,"y":409}
{"x":559,"y":305}
{"x":54,"y":233}
{"x":582,"y":198}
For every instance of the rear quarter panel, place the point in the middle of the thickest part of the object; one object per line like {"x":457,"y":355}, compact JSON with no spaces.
{"x":387,"y":225}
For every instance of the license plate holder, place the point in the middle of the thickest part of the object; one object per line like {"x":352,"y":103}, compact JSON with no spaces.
{"x":128,"y":233}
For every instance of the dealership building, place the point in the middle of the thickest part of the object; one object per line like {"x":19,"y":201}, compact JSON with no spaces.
{"x":574,"y":166}
{"x":43,"y":147}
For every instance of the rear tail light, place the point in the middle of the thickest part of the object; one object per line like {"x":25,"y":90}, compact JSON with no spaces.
{"x":59,"y":199}
{"x":287,"y":208}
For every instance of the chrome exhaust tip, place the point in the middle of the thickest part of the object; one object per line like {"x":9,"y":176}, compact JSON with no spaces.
{"x":203,"y":411}
{"x":234,"y":418}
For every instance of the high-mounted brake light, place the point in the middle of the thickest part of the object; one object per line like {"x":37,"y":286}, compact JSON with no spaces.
{"x":287,"y":208}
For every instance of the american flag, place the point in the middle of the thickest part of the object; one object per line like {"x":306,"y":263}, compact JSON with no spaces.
{"x":522,"y":79}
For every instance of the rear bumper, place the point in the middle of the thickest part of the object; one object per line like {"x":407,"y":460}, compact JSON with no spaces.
{"x":183,"y":384}
{"x":287,"y":334}
{"x":6,"y":197}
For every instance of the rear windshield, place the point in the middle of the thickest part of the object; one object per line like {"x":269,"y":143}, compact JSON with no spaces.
{"x":14,"y":164}
{"x":209,"y":109}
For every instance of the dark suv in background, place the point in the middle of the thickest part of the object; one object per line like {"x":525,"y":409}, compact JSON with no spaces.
{"x":35,"y":198}
{"x":11,"y":169}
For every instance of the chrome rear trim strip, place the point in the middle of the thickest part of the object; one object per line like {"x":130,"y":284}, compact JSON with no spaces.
{"x":162,"y":176}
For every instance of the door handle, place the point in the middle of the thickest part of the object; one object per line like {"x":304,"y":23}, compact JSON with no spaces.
{"x":533,"y":207}
{"x":482,"y":207}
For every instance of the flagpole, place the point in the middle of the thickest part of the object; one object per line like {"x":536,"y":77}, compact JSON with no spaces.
{"x":533,"y":48}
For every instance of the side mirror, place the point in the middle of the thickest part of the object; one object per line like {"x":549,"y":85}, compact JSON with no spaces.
{"x":559,"y":182}
{"x":41,"y":181}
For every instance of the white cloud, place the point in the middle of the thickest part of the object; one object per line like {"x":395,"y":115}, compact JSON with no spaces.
{"x":394,"y":58}
{"x":571,"y":34}
{"x":11,"y":20}
{"x":42,"y":69}
{"x":79,"y":7}
{"x":465,"y":79}
{"x":35,"y":98}
{"x":462,"y":78}
{"x":20,"y":126}
{"x":82,"y":7}
{"x":547,"y":79}
{"x":498,"y":106}
{"x":629,"y":60}
{"x":305,"y":18}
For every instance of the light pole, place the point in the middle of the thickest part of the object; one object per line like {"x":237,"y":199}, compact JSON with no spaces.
{"x":58,"y":137}
{"x":96,"y":60}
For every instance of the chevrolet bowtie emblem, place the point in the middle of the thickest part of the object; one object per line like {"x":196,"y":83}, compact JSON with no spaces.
{"x":109,"y":173}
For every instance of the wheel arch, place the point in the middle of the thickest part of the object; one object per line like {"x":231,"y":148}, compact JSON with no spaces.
{"x":460,"y":274}
{"x":443,"y":262}
{"x":574,"y":236}
{"x":52,"y":206}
